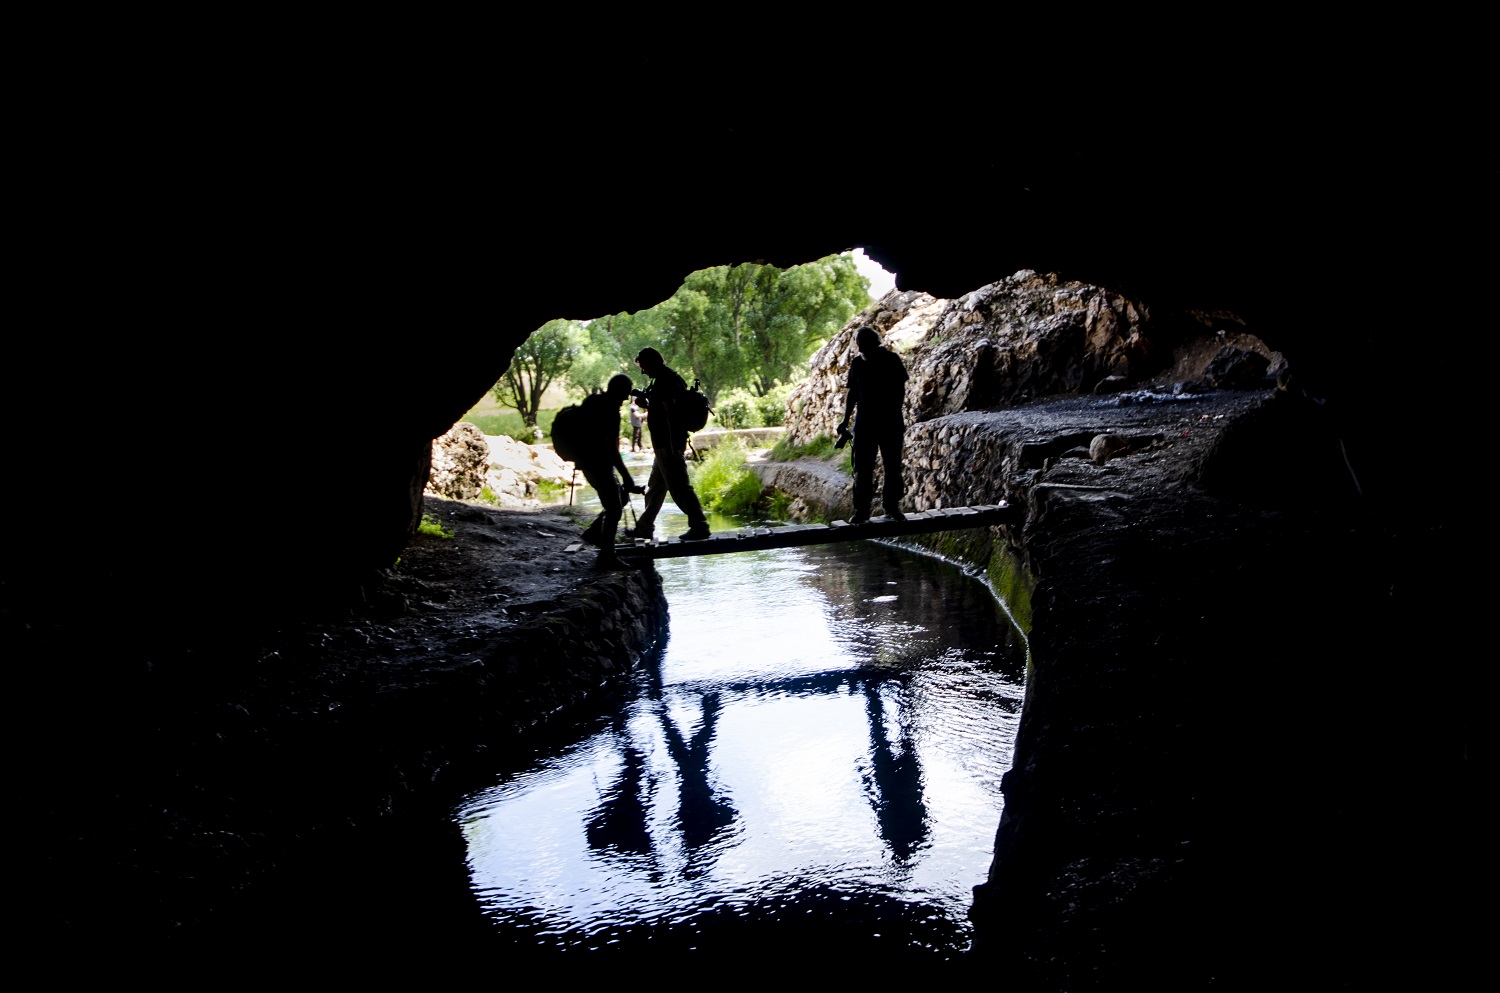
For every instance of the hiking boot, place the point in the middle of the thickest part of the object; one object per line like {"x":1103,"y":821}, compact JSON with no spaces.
{"x":698,"y":533}
{"x":643,"y":534}
{"x":860,"y":519}
{"x":896,"y":515}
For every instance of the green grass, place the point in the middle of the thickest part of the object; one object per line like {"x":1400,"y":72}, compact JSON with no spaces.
{"x":509,"y":423}
{"x":784,"y":451}
{"x":821,"y":447}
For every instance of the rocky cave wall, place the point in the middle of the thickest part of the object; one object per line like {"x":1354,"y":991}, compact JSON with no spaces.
{"x":1191,"y":527}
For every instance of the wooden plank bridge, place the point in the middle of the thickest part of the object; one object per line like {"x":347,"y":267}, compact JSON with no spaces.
{"x":795,"y":535}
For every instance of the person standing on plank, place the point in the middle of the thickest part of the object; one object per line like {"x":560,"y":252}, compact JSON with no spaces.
{"x":877,"y":390}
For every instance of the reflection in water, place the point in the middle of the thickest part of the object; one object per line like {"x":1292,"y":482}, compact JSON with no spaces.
{"x":818,"y":746}
{"x":894,"y":781}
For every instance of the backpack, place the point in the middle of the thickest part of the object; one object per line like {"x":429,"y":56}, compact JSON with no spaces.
{"x":567,"y":431}
{"x":693,"y":409}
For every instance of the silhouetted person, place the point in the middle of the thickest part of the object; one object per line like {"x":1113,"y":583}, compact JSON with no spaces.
{"x":599,"y":458}
{"x":637,"y":418}
{"x":668,"y":440}
{"x":877,"y":387}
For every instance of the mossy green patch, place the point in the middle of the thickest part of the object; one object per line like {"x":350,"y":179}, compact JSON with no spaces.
{"x":1013,"y":582}
{"x":433,"y":528}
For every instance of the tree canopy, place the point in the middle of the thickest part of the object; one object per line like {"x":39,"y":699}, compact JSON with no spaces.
{"x":542,"y":359}
{"x":750,"y":326}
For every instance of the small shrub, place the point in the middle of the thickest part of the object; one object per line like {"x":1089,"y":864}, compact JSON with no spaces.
{"x":718,"y":470}
{"x":772,"y":406}
{"x":736,"y":409}
{"x":742,"y":497}
{"x":433,"y":528}
{"x":724,"y":484}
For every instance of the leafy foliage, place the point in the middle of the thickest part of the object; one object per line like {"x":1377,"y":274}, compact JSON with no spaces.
{"x":779,"y":505}
{"x":750,"y":326}
{"x":723,"y":483}
{"x":737,"y":409}
{"x":542,"y":358}
{"x":772,"y":406}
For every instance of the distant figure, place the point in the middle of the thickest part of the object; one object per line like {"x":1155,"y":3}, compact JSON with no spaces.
{"x":598,"y":459}
{"x":877,"y":387}
{"x":637,"y":418}
{"x":668,"y":442}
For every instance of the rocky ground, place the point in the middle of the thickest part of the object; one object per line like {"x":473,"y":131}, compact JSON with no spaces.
{"x":250,"y":761}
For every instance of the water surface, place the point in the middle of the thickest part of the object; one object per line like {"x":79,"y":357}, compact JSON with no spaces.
{"x":813,"y":755}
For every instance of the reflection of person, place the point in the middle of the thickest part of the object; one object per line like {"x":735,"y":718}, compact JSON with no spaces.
{"x":598,"y":459}
{"x":877,"y":387}
{"x":637,"y":418}
{"x":668,"y":441}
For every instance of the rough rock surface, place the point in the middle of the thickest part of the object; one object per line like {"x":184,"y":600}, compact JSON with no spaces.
{"x":1180,"y":540}
{"x":1021,"y":338}
{"x":460,"y":461}
{"x":517,"y":472}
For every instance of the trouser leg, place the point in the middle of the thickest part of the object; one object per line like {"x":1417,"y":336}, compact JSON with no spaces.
{"x":865,"y":448}
{"x":676,"y":474}
{"x":603,"y":480}
{"x":894,"y":486}
{"x":656,"y":493}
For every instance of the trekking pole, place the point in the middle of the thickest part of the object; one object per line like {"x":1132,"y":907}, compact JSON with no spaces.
{"x":573,"y":485}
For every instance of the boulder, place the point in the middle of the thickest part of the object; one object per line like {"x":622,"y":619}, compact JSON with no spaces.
{"x":460,"y":460}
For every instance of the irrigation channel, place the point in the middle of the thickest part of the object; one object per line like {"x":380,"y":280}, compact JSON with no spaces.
{"x":811,"y":761}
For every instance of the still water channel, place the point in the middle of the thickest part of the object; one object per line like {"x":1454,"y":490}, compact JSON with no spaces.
{"x":814,"y":754}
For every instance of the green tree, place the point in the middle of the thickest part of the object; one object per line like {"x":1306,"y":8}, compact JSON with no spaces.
{"x":697,"y":334}
{"x":544,"y":357}
{"x":612,"y":344}
{"x":750,"y":326}
{"x":798,"y":310}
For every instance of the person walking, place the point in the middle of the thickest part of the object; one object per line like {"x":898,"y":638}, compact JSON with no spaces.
{"x":637,"y":419}
{"x":877,"y":390}
{"x":599,"y":458}
{"x":668,"y":441}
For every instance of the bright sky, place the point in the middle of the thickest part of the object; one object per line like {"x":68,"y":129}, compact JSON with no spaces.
{"x":881,"y":282}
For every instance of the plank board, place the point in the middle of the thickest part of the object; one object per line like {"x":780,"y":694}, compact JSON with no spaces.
{"x":796,"y":535}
